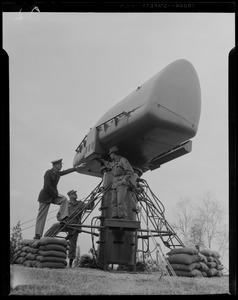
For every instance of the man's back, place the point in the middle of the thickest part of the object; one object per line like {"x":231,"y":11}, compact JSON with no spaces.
{"x":77,"y":206}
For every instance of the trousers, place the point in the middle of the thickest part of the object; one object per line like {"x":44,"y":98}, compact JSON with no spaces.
{"x":73,"y":245}
{"x":43,"y":212}
{"x":118,"y":204}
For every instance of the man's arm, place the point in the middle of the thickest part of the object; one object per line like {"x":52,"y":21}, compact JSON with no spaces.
{"x":67,"y":171}
{"x":71,"y":170}
{"x":90,"y":204}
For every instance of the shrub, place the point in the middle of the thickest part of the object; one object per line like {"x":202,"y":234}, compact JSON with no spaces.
{"x":86,"y":261}
{"x":15,"y":239}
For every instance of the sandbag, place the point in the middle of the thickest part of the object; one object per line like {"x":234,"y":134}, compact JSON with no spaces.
{"x":207,"y":252}
{"x":219,"y":267}
{"x":22,"y":254}
{"x":219,"y":273}
{"x":24,"y":248}
{"x":49,"y":258}
{"x":211,"y":265}
{"x":52,"y":240}
{"x":15,"y":257}
{"x":47,"y":252}
{"x":193,"y":273}
{"x":31,"y":256}
{"x":212,"y":272}
{"x":30,"y":249}
{"x":28,"y":263}
{"x":186,"y":250}
{"x":216,"y":254}
{"x":203,"y":266}
{"x":184,"y":267}
{"x":210,"y":258}
{"x":183,"y":258}
{"x":27,"y":242}
{"x":53,"y":247}
{"x":20,"y":260}
{"x":203,"y":258}
{"x":52,"y":253}
{"x":18,"y":248}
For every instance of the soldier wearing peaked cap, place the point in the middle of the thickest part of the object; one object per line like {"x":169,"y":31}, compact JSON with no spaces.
{"x":57,"y":161}
{"x":49,"y":194}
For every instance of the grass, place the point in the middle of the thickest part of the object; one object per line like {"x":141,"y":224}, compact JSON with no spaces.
{"x":82,"y":281}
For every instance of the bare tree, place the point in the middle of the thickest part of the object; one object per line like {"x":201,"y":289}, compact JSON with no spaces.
{"x":211,"y":215}
{"x":184,"y":219}
{"x":196,"y":233}
{"x":202,"y":223}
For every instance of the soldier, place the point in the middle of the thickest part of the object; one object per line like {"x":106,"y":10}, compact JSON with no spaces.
{"x":122,"y":172}
{"x":75,"y":206}
{"x":49,"y":194}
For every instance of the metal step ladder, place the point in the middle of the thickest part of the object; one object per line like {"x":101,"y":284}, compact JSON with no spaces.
{"x":94,"y":196}
{"x":150,"y":206}
{"x":154,"y":218}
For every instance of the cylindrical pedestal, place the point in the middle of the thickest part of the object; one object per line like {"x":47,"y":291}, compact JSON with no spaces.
{"x":117,"y":243}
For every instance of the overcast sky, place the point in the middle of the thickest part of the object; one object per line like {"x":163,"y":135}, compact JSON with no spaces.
{"x":67,"y":70}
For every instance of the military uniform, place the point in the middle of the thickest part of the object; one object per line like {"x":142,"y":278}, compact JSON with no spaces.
{"x":122,"y":172}
{"x":77,"y":220}
{"x":74,"y":207}
{"x":49,"y":194}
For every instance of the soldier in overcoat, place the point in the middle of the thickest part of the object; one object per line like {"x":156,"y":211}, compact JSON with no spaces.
{"x":122,"y":173}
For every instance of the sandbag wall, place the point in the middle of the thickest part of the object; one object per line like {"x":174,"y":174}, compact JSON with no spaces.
{"x":212,"y":260}
{"x":47,"y":252}
{"x":189,"y":262}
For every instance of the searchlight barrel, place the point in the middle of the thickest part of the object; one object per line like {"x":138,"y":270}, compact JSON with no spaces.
{"x":151,"y":126}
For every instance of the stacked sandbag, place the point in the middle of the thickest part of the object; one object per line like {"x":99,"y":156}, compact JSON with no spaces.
{"x":48,"y":252}
{"x":212,"y":265}
{"x":25,"y":253}
{"x":185,"y":262}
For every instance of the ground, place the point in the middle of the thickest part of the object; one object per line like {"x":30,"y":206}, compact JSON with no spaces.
{"x":85,"y":281}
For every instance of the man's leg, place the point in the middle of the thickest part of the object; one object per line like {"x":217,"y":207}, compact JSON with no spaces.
{"x":52,"y":229}
{"x":114,"y":204}
{"x":63,"y":211}
{"x":72,"y":248}
{"x":121,"y":195}
{"x":41,"y":218}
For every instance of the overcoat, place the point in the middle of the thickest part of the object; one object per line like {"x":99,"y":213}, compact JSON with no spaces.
{"x":51,"y":178}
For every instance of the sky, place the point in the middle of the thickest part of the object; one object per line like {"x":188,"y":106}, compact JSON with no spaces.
{"x":67,"y":69}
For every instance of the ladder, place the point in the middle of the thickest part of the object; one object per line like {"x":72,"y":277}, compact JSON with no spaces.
{"x":153,"y":209}
{"x":149,"y":204}
{"x":94,"y":196}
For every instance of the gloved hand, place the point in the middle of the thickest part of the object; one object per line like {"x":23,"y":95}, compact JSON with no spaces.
{"x":100,"y":161}
{"x":81,"y":165}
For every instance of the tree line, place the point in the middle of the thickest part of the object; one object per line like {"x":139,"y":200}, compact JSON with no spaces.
{"x":202,"y":223}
